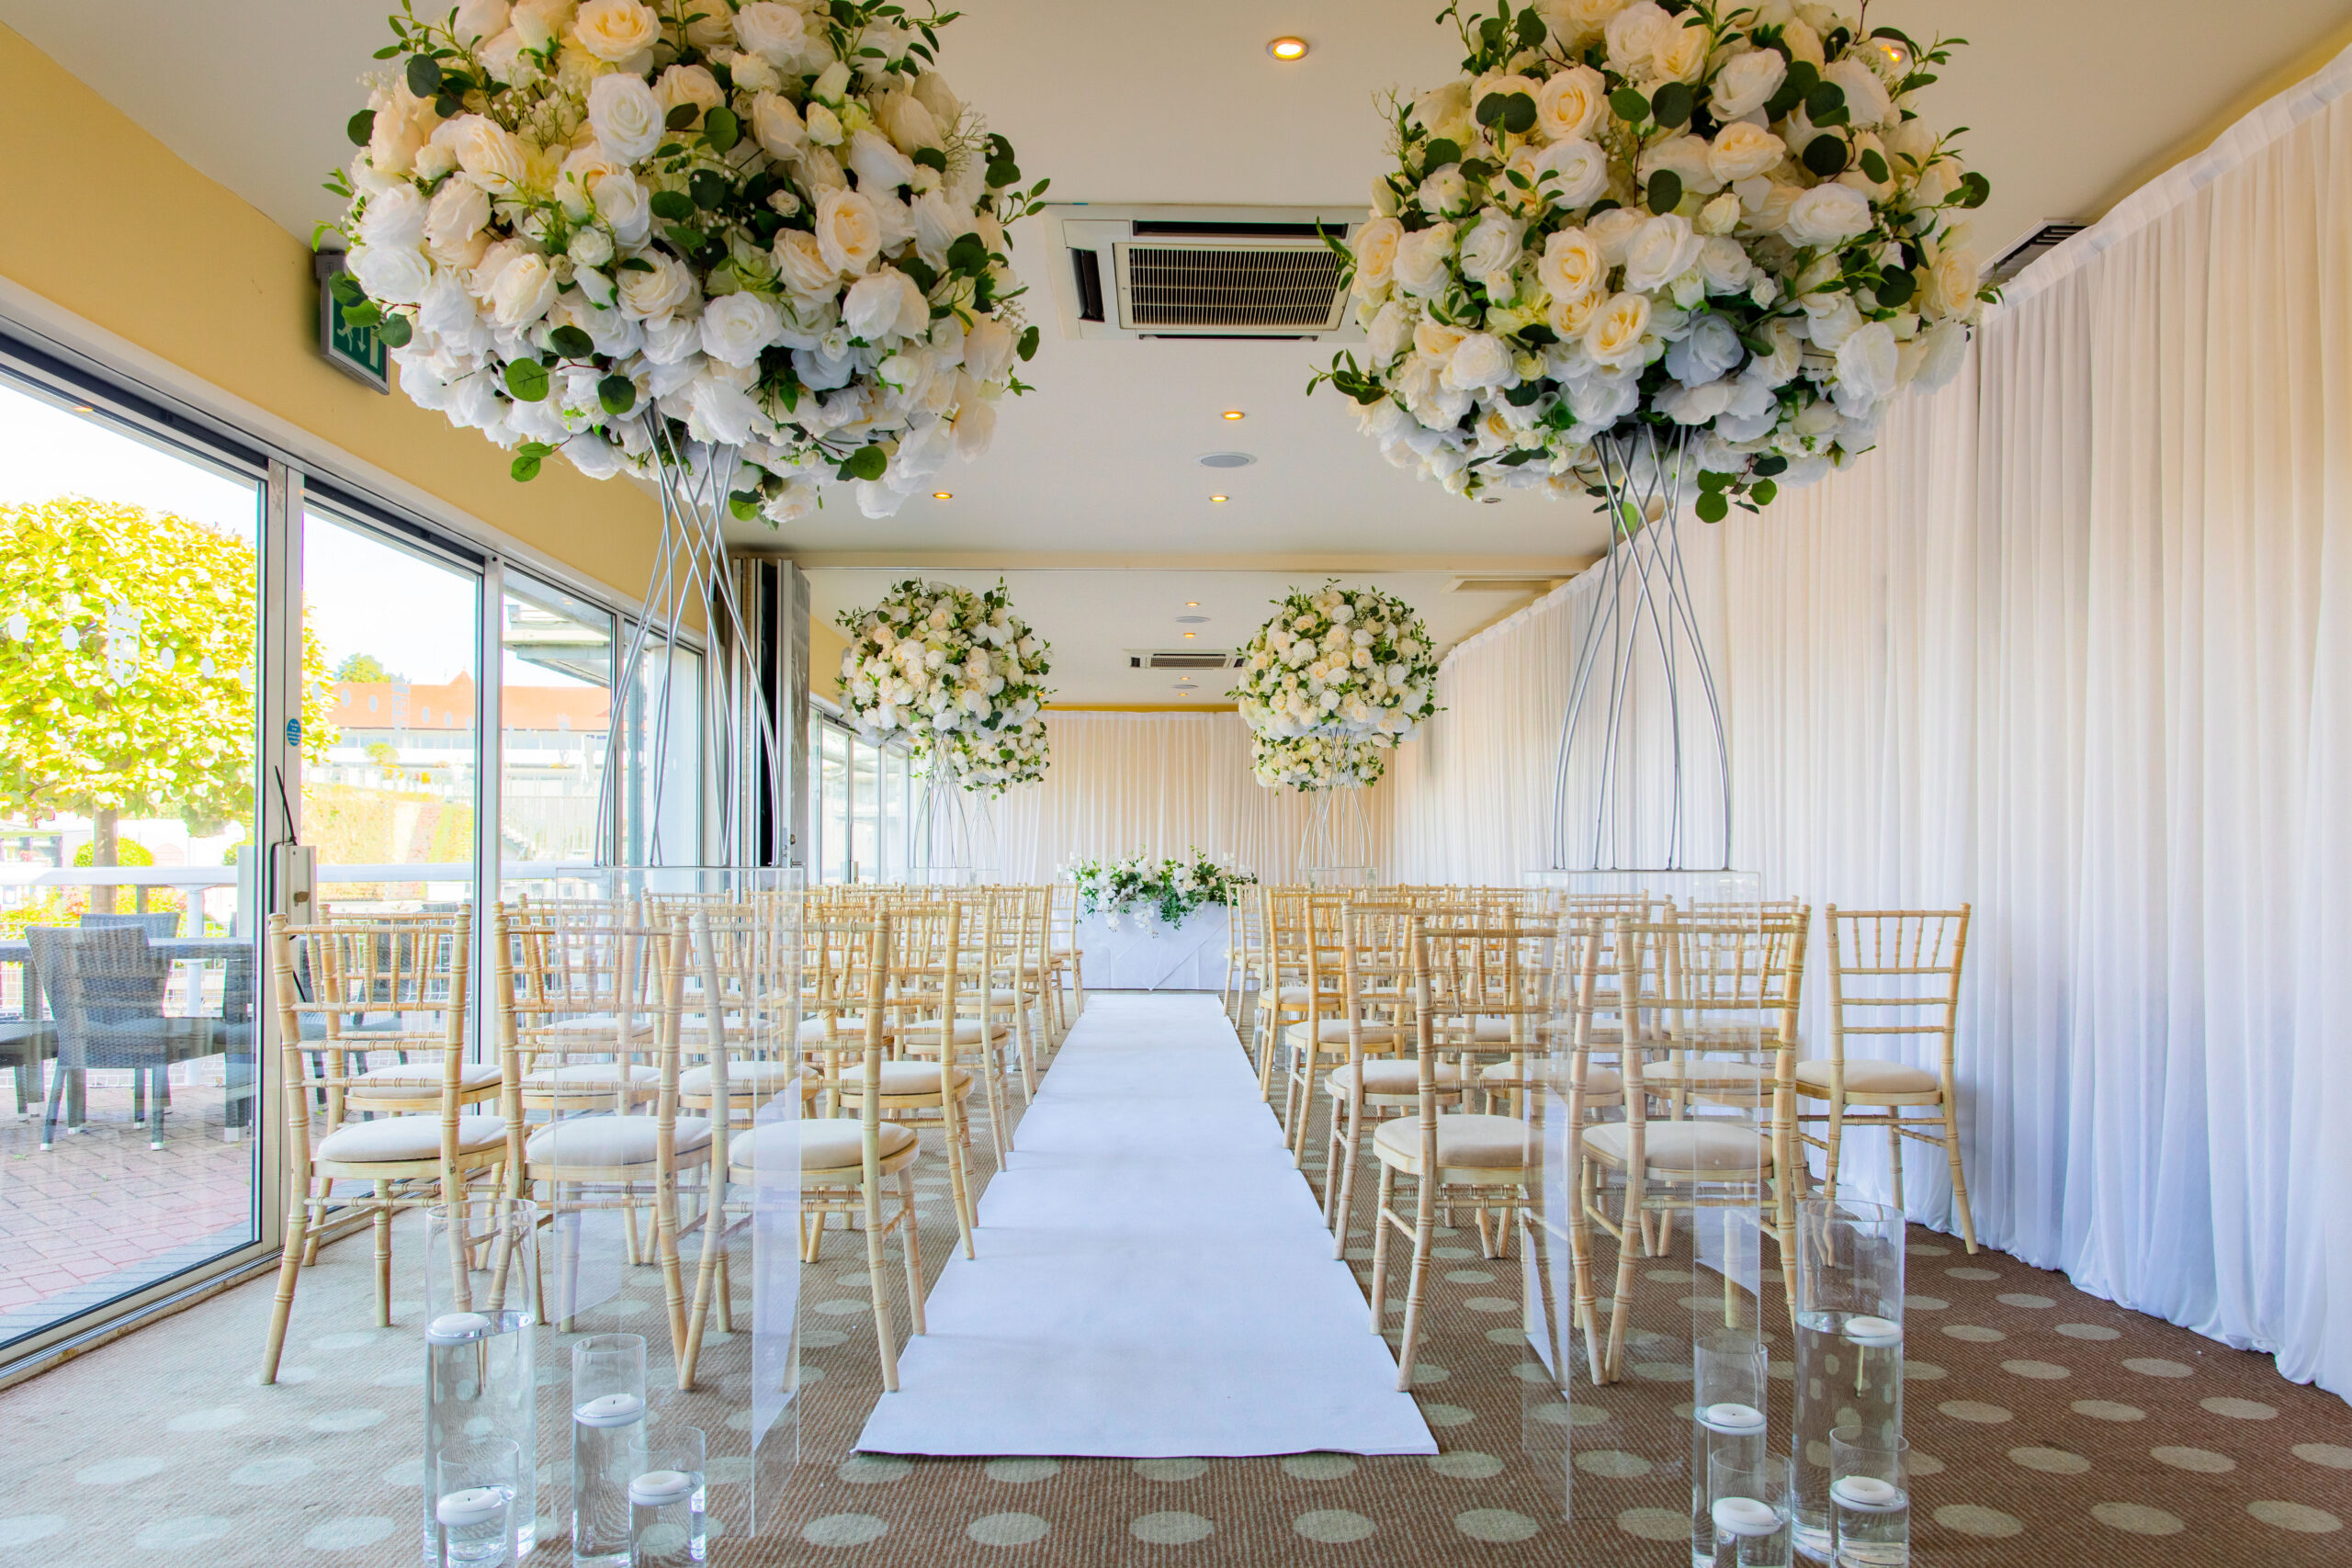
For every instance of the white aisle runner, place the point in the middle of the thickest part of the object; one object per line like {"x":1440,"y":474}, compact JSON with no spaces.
{"x":1154,"y":1279}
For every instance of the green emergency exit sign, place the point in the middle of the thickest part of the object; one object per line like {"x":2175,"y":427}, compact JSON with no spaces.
{"x":357,"y":352}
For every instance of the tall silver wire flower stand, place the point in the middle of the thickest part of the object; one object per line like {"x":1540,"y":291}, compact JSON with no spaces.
{"x":954,"y":842}
{"x":1337,"y":851}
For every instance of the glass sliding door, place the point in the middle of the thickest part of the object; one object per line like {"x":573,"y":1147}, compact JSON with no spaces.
{"x":129,"y":767}
{"x":389,"y":805}
{"x":662,"y":795}
{"x":554,"y":716}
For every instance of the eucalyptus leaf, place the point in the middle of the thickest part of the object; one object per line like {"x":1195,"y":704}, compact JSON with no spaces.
{"x":1490,"y":108}
{"x":1826,"y":156}
{"x":527,"y":459}
{"x":1519,"y":113}
{"x":527,"y":380}
{"x":674,"y":206}
{"x":1671,"y":105}
{"x":617,"y":393}
{"x":395,"y":332}
{"x":709,"y":188}
{"x":721,"y":129}
{"x":1439,"y":153}
{"x":1665,"y":191}
{"x":360,"y":127}
{"x":1629,"y":105}
{"x":571,"y":343}
{"x":424,"y":75}
{"x":1712,"y":507}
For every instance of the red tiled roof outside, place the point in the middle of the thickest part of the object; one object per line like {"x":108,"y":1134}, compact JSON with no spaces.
{"x":450,"y":705}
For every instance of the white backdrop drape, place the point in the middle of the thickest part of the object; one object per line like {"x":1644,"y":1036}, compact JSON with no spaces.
{"x":2076,"y":644}
{"x":1160,"y":784}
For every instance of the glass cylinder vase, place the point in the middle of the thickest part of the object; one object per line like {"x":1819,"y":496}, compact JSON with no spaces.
{"x":1849,"y":1347}
{"x":607,"y":1445}
{"x":666,"y":1521}
{"x":473,"y":1501}
{"x":480,"y":1361}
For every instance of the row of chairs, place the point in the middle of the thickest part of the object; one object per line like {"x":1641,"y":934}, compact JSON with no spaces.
{"x":635,"y":1043}
{"x":1470,"y":1014}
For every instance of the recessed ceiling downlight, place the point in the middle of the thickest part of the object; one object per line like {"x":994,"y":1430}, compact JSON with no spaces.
{"x":1227,"y":459}
{"x":1288,"y":48}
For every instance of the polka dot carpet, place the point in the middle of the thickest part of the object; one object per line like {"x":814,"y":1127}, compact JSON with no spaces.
{"x":2049,"y":1427}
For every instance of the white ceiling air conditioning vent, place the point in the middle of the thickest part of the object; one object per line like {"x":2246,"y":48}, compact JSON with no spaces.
{"x":2039,"y":241}
{"x":1213,"y":272}
{"x":1181,"y":658}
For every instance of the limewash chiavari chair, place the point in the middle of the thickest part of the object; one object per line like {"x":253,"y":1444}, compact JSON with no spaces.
{"x":1528,"y":1067}
{"x":406,"y":1161}
{"x":940,"y":1005}
{"x":1064,"y":957}
{"x":383,"y":978}
{"x":1705,"y":1065}
{"x":1727,"y":981}
{"x":925,"y":948}
{"x":1301,"y":985}
{"x":1003,"y":914}
{"x":1377,"y":983}
{"x":1906,"y":966}
{"x":842,"y":1161}
{"x":1489,"y":1162}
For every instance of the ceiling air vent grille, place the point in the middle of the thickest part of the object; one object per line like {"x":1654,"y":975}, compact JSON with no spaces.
{"x":1187,"y":658}
{"x":1243,"y":288}
{"x":2037,"y":242}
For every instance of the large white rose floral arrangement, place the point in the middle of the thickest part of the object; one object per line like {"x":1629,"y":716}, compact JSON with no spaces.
{"x":610,"y":228}
{"x":956,"y":673}
{"x":1318,"y":761}
{"x":1166,"y":890}
{"x":1339,"y":661}
{"x":1726,"y":222}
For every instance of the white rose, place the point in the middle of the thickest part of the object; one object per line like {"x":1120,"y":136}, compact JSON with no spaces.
{"x":486,"y":150}
{"x":622,"y":203}
{"x":693,"y":85}
{"x":392,"y":275}
{"x":1613,"y":231}
{"x":1742,"y":151}
{"x":1867,"y":361}
{"x":626,"y":117}
{"x":1747,"y":84}
{"x":775,"y":33}
{"x":455,"y":221}
{"x":1827,"y":215}
{"x":1376,"y":253}
{"x":656,"y":290}
{"x":1445,"y":192}
{"x":1707,"y":351}
{"x":775,"y":124}
{"x":1490,"y":250}
{"x":1681,"y":53}
{"x":735,"y":327}
{"x":1634,"y":36}
{"x":1866,"y":100}
{"x":908,"y":122}
{"x":1665,"y":249}
{"x":1444,"y":112}
{"x":1579,"y":171}
{"x":1614,"y":336}
{"x":1390,"y":332}
{"x":878,"y":306}
{"x":1571,"y":268}
{"x":525,"y":289}
{"x":975,"y":428}
{"x":824,"y":126}
{"x":1687,"y":157}
{"x":1567,"y":105}
{"x":1482,"y":360}
{"x":988,"y":350}
{"x":397,"y":217}
{"x":478,"y":19}
{"x":590,"y":247}
{"x":1951,"y":283}
{"x":802,"y":266}
{"x":878,"y":165}
{"x":849,"y":233}
{"x":617,"y":30}
{"x":1723,"y":262}
{"x":1944,"y":350}
{"x":1421,"y":255}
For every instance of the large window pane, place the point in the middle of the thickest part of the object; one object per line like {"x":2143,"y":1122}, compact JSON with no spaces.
{"x":129,"y":600}
{"x":865,"y":812}
{"x":554,"y":705}
{"x":392,"y":811}
{"x":665,"y":778}
{"x":833,"y":765}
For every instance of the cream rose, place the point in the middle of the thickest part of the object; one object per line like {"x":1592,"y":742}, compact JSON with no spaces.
{"x":1568,"y":318}
{"x":1951,"y":283}
{"x":1681,"y":53}
{"x":801,"y":263}
{"x":486,"y":150}
{"x":1481,"y":360}
{"x":1613,"y":231}
{"x":1827,"y":215}
{"x":1571,"y":268}
{"x":1747,"y":84}
{"x":1686,"y":156}
{"x":1445,"y":112}
{"x":775,"y":33}
{"x":525,"y":289}
{"x":776,"y":126}
{"x":1613,"y":337}
{"x":392,"y":275}
{"x":1567,"y":105}
{"x":849,"y":233}
{"x":1742,"y":151}
{"x":1436,"y":341}
{"x":616,"y":31}
{"x":1866,"y":100}
{"x":1665,"y":249}
{"x":1376,"y":253}
{"x":908,"y":123}
{"x":1421,"y":264}
{"x":1635,"y":34}
{"x":988,"y":350}
{"x":693,"y":84}
{"x":656,"y":290}
{"x":626,"y":118}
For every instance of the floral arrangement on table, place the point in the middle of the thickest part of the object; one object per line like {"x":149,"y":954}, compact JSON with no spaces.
{"x":956,"y":673}
{"x":1318,"y":761}
{"x":1724,"y":223}
{"x":1337,"y":662}
{"x":1167,"y":890}
{"x":608,"y":229}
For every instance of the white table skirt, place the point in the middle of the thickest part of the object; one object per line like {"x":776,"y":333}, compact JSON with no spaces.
{"x":1149,"y":956}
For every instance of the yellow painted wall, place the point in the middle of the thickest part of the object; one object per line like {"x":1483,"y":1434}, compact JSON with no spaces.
{"x":107,"y":223}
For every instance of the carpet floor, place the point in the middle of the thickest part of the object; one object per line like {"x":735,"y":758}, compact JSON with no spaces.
{"x":2049,"y":1427}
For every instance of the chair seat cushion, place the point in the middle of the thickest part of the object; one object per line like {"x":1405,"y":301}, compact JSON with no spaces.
{"x":390,"y":1139}
{"x":850,"y":1027}
{"x":1705,"y":1070}
{"x":587,"y":1080}
{"x":1598,"y":1081}
{"x":1711,"y":1146}
{"x":1492,"y":1031}
{"x":820,"y":1142}
{"x":1392,"y":1078}
{"x":1299,"y":995}
{"x":1487,"y":1143}
{"x":604,"y":1024}
{"x":1334,"y":1031}
{"x":406,"y":1080}
{"x":967,"y":1032}
{"x":904,"y":1077}
{"x":1864,"y":1076}
{"x":742,"y":1079}
{"x":606,"y":1141}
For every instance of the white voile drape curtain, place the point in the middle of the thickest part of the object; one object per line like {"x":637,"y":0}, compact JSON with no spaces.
{"x":2075,"y":645}
{"x":1158,"y":783}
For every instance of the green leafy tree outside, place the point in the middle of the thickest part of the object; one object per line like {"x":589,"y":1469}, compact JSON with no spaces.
{"x":90,"y":728}
{"x":361,"y":667}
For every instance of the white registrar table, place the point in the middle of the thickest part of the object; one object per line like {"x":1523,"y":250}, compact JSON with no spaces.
{"x":1145,"y":956}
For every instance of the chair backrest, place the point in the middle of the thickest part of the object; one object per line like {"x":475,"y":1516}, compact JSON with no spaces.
{"x":1895,"y":973}
{"x":585,"y":985}
{"x":159,"y":925}
{"x":105,"y":988}
{"x":1728,"y":987}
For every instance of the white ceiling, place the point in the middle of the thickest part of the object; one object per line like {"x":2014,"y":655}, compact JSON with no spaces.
{"x":1181,"y":104}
